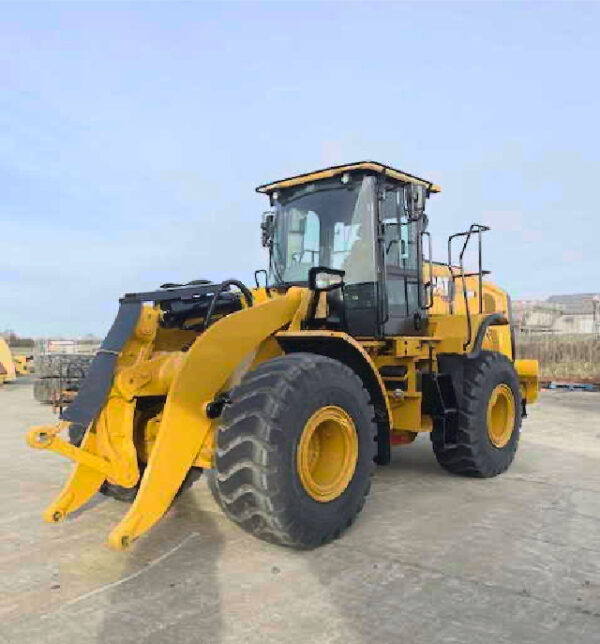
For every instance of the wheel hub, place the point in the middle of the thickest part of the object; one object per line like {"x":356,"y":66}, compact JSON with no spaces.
{"x":501,"y":415}
{"x":327,"y":453}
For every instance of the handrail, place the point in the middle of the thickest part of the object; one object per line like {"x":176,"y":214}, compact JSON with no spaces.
{"x":429,"y":304}
{"x":221,"y":288}
{"x":473,"y":229}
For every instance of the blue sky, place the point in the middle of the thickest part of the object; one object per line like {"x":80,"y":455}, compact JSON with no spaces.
{"x":132,"y":137}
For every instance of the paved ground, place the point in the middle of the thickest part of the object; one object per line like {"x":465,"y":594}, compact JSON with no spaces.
{"x":433,"y":558}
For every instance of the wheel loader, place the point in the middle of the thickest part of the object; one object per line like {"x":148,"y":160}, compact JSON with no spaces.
{"x":23,"y":365}
{"x":288,"y":394}
{"x":8,"y":371}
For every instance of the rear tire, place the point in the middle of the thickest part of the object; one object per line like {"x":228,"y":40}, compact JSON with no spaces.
{"x":481,"y":451}
{"x":262,"y":480}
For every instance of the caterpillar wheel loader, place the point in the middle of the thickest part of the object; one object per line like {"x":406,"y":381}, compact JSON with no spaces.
{"x":288,"y":393}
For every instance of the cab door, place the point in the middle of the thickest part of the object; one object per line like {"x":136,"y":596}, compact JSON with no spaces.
{"x":402,"y":253}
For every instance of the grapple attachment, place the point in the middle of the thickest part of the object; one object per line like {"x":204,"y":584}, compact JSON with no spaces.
{"x":148,"y":401}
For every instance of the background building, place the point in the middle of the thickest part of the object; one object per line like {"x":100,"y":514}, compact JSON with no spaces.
{"x":577,"y":314}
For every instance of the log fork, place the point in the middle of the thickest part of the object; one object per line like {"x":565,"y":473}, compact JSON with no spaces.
{"x":190,"y":381}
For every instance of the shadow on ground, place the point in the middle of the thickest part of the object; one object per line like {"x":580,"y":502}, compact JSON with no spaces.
{"x":169,"y":587}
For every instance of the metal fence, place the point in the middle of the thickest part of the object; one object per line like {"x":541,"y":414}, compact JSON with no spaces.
{"x":563,"y":356}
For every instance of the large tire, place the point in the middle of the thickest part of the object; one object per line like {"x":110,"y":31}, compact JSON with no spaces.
{"x":262,"y":446}
{"x":128,"y":494}
{"x":478,"y":451}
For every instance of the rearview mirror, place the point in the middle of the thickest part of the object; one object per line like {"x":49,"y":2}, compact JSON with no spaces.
{"x":415,"y":198}
{"x":322,"y":278}
{"x":267,"y":228}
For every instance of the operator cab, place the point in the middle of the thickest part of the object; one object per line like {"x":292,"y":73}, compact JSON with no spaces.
{"x":364,"y":222}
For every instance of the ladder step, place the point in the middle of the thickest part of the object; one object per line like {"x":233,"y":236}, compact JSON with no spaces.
{"x":393,"y":371}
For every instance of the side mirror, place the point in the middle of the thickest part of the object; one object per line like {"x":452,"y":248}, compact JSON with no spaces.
{"x":267,"y":228}
{"x":415,"y":198}
{"x":321,"y":278}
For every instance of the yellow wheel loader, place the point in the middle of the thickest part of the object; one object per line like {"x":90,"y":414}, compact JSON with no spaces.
{"x":288,"y":393}
{"x":23,"y":365}
{"x":8,"y":371}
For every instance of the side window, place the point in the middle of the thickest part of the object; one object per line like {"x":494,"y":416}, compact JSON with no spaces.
{"x":400,"y":234}
{"x":354,"y":241}
{"x":401,"y":251}
{"x":408,"y":238}
{"x":302,"y":244}
{"x":311,"y":237}
{"x":303,"y":238}
{"x":344,"y":237}
{"x":409,"y":245}
{"x":390,"y":213}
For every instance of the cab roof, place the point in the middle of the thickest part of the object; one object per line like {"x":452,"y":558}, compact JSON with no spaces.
{"x":334,"y":171}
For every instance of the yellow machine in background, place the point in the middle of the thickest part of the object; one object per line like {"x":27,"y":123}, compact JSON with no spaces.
{"x":290,"y":392}
{"x":23,"y":365}
{"x":7,"y":366}
{"x":13,"y":366}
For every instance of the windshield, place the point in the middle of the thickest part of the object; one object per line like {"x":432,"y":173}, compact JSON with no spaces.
{"x":326,"y":224}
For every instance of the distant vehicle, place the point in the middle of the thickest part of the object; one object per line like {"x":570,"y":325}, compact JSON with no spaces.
{"x":23,"y":364}
{"x":8,"y":372}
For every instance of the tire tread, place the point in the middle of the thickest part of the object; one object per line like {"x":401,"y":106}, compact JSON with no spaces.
{"x":470,"y":455}
{"x":245,"y":483}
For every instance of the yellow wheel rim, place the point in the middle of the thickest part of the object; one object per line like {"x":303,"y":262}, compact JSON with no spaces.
{"x":501,"y":415}
{"x":327,"y":453}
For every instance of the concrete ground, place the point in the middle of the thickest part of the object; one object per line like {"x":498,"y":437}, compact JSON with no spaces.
{"x":433,"y":558}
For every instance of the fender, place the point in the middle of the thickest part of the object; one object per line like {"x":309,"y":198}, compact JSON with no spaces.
{"x":346,"y":349}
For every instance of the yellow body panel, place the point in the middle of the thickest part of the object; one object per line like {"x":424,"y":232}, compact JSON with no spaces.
{"x":352,"y":343}
{"x":528,"y":372}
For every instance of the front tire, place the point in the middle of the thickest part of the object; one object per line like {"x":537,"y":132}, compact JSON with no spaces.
{"x":295,"y":451}
{"x":489,"y":419}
